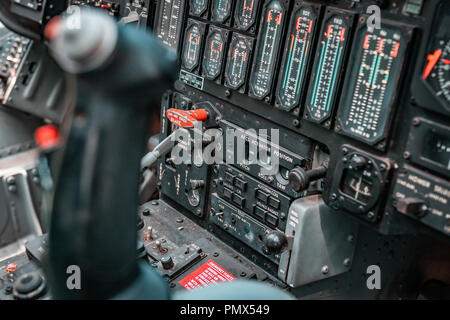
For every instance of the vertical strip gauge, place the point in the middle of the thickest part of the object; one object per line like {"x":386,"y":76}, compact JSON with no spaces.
{"x":270,"y":35}
{"x":198,"y":7}
{"x":221,"y":10}
{"x":214,"y":52}
{"x":169,"y":22}
{"x":193,"y":42}
{"x":245,"y":15}
{"x":238,"y":61}
{"x":327,"y":68}
{"x":295,"y":61}
{"x":370,"y":86}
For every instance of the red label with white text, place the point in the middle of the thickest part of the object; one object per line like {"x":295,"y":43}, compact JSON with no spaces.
{"x":208,"y":274}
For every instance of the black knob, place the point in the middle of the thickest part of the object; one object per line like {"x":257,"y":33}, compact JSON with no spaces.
{"x":167,"y":262}
{"x":275,"y":242}
{"x":29,"y":286}
{"x":299,"y":179}
{"x":414,"y":206}
{"x":358,"y":162}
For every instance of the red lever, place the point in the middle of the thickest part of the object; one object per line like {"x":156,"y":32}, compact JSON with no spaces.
{"x":186,"y":118}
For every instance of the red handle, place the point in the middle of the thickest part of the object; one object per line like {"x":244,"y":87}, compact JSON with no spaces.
{"x":186,"y":118}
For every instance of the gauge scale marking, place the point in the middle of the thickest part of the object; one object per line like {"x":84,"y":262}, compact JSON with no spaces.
{"x":437,"y":72}
{"x":238,"y":60}
{"x":214,"y":52}
{"x":246,"y":13}
{"x":443,"y":74}
{"x":366,"y":108}
{"x":192,"y":46}
{"x":299,"y":44}
{"x":270,"y":33}
{"x":169,"y":24}
{"x":325,"y":80}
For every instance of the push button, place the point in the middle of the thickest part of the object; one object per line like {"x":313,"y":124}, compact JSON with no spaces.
{"x":260,"y":213}
{"x":238,"y":200}
{"x":227,"y":193}
{"x":274,"y":203}
{"x":229,"y":177}
{"x":272,"y":219}
{"x":241,"y":184}
{"x":261,"y":195}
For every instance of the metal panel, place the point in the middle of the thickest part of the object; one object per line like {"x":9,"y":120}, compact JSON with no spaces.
{"x":320,"y":246}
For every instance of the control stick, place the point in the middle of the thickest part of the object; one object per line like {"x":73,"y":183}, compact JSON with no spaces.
{"x":122,"y":73}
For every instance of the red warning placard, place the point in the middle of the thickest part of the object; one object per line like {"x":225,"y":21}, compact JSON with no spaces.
{"x":208,"y":274}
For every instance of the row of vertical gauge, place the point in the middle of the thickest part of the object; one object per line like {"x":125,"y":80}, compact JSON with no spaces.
{"x":311,"y":73}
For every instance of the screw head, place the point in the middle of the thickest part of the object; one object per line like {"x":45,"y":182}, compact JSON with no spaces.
{"x":325,"y":269}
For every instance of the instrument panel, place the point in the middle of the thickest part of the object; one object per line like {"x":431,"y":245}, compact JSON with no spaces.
{"x":360,"y":108}
{"x":327,"y":74}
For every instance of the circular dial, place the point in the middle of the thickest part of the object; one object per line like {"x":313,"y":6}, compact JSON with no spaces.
{"x":192,"y":47}
{"x":198,"y":7}
{"x":238,"y":58}
{"x":221,"y":10}
{"x":296,"y":59}
{"x":246,"y":13}
{"x":437,"y":71}
{"x":262,"y":76}
{"x":212,"y":61}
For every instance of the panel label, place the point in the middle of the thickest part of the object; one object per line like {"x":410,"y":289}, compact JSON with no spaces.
{"x":208,"y":274}
{"x":192,"y":79}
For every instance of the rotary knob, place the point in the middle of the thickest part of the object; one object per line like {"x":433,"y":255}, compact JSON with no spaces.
{"x":275,"y":242}
{"x":167,"y":262}
{"x":299,"y":178}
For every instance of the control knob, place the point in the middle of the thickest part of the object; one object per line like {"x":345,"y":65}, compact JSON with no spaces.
{"x":167,"y":262}
{"x":275,"y":242}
